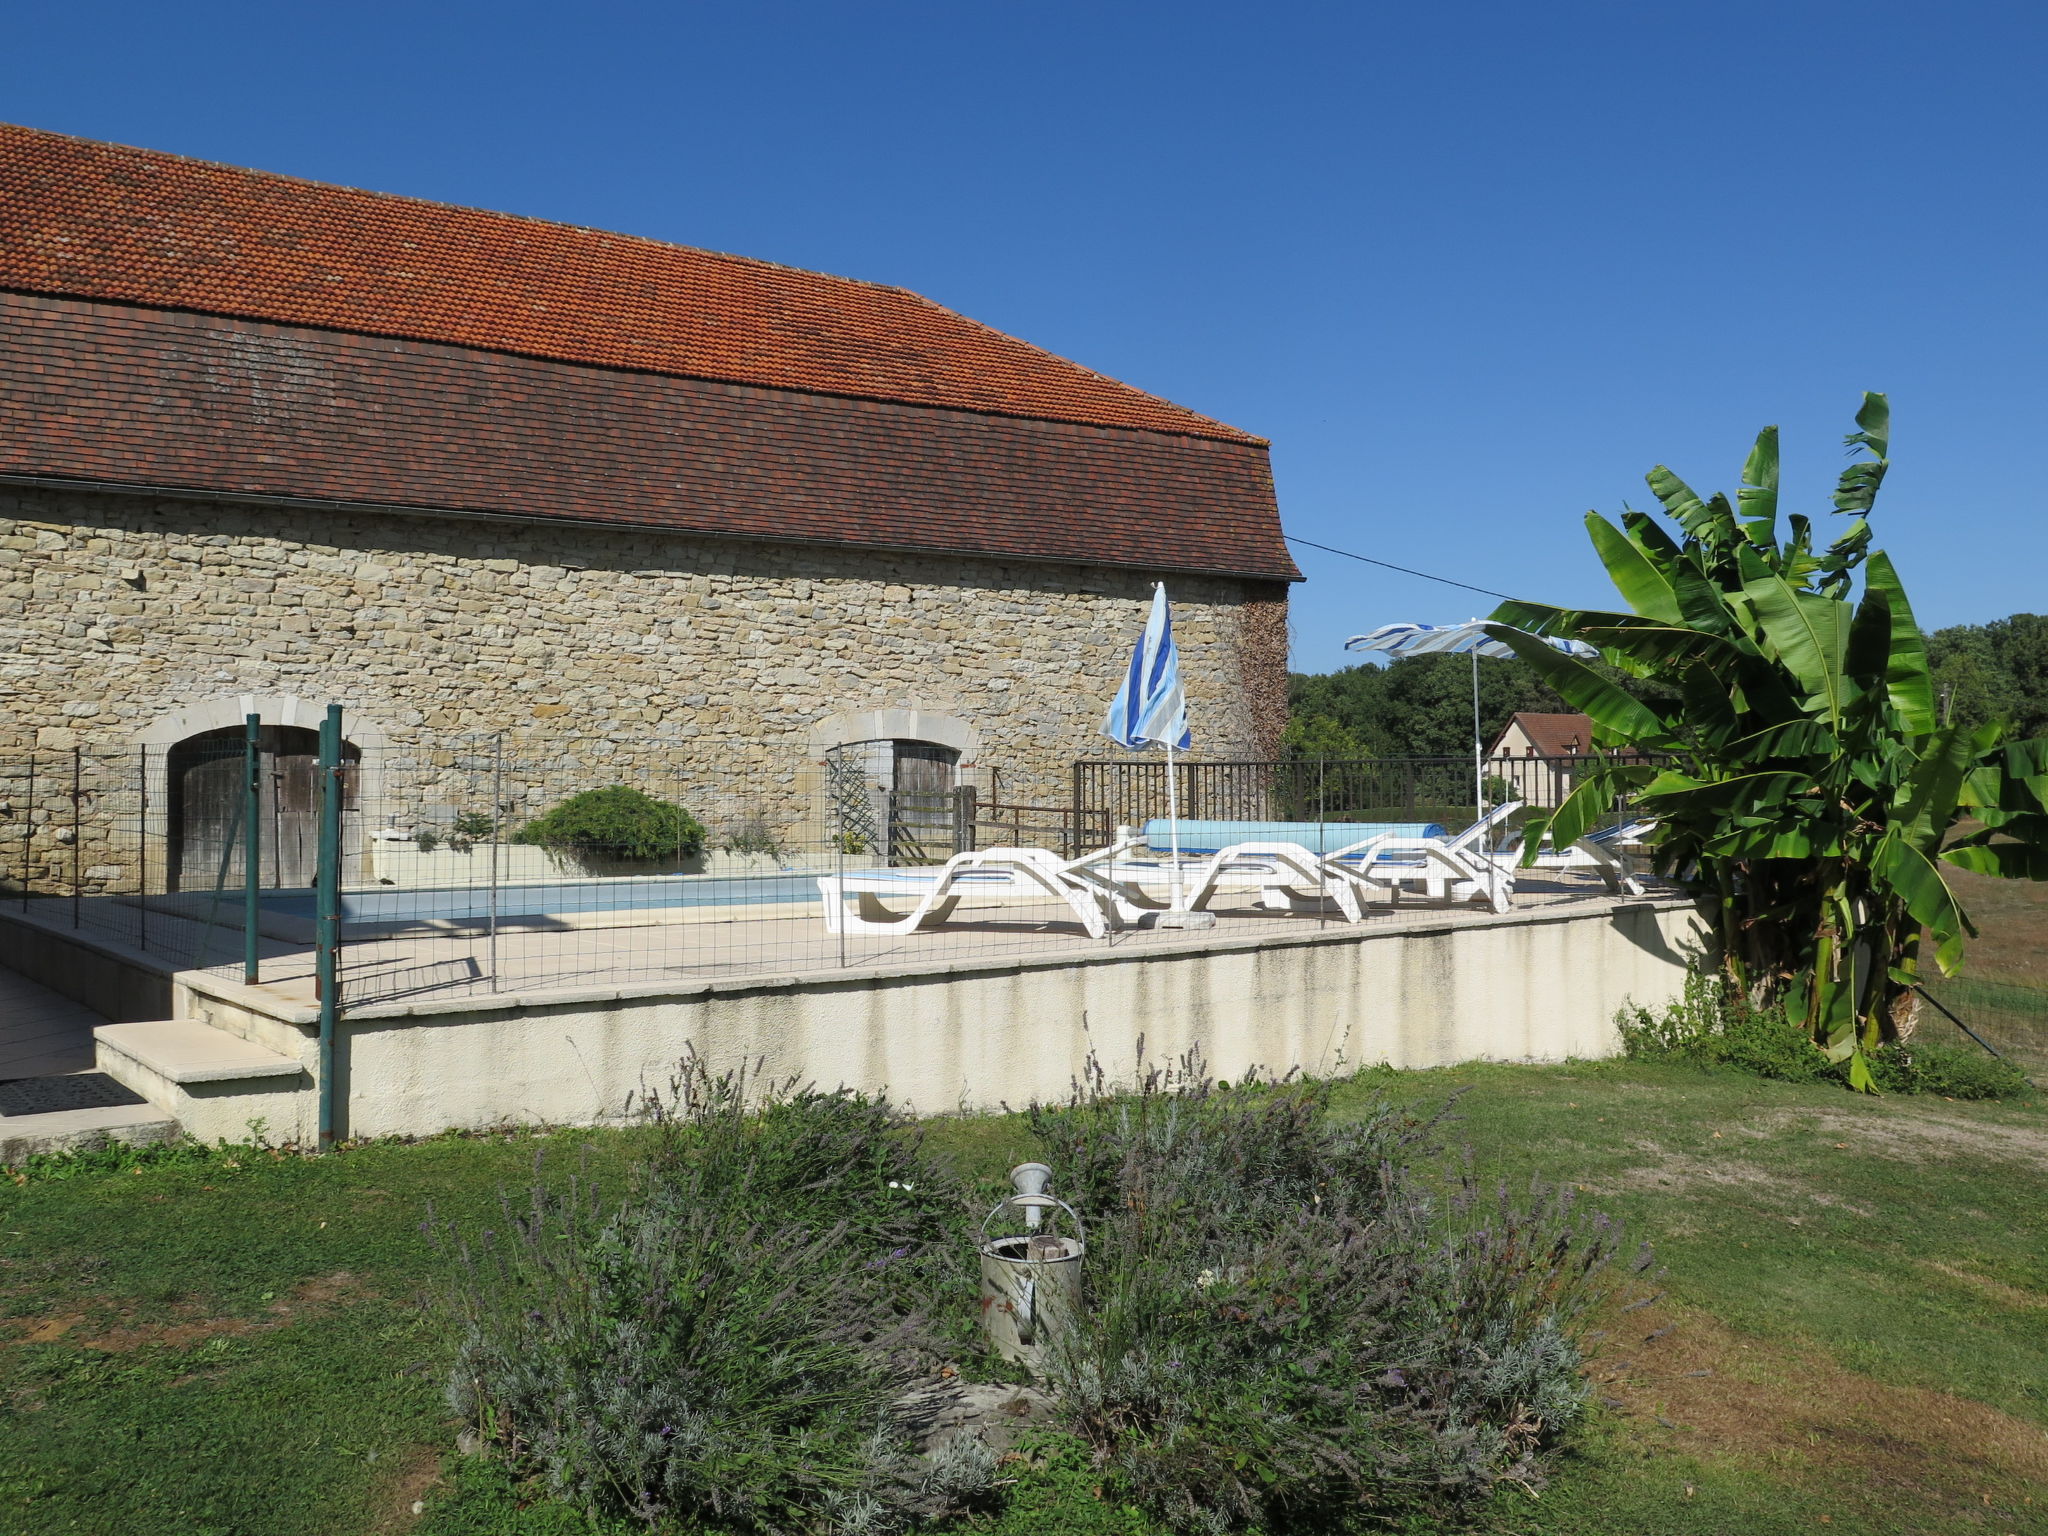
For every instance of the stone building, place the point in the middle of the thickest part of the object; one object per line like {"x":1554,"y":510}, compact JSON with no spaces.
{"x":625,"y":511}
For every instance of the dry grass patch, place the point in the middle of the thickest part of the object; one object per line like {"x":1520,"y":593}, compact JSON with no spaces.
{"x":1720,"y":1396}
{"x":1991,"y":1290}
{"x":1676,"y":1173}
{"x":188,"y":1326}
{"x":399,"y":1503}
{"x":1909,"y":1137}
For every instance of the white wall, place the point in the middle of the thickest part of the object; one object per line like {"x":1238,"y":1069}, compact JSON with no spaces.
{"x":399,"y":862}
{"x":1418,"y":991}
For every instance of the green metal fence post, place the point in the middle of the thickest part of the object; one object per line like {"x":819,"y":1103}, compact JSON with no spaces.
{"x":252,"y":845}
{"x":77,"y":829}
{"x":327,"y":914}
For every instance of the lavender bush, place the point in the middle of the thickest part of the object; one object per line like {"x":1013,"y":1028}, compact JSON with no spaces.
{"x":1286,"y":1326}
{"x":726,"y":1343}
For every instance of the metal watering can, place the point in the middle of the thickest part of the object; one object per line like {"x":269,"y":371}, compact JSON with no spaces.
{"x":1030,"y":1273}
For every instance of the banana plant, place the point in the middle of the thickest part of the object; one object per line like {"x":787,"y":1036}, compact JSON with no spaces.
{"x":1802,"y":779}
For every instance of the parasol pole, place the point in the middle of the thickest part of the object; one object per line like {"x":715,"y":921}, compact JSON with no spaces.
{"x":1177,"y":901}
{"x":1478,"y":746}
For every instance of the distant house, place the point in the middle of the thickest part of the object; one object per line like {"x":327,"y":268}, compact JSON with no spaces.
{"x":1538,"y":753}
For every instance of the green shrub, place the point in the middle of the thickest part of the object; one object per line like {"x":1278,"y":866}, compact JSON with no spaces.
{"x":1714,"y":1024}
{"x":727,"y":1343}
{"x":1286,"y":1324}
{"x":469,"y":828}
{"x":619,"y":822}
{"x":1953,"y":1071}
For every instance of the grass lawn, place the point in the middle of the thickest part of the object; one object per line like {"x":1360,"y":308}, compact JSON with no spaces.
{"x":1855,"y":1336}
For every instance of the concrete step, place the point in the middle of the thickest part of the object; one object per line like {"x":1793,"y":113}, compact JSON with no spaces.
{"x":219,"y":1086}
{"x":75,"y":1111}
{"x":185,"y":1051}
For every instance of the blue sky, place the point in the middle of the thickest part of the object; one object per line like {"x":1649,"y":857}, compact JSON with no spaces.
{"x":1472,"y":267}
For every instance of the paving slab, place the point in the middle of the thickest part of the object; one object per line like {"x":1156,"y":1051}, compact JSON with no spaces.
{"x":42,"y":1033}
{"x":70,"y":1130}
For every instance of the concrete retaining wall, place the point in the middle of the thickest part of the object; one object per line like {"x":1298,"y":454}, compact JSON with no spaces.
{"x":1421,"y":991}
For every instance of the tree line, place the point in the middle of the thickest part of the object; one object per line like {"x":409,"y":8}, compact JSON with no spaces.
{"x":1421,"y":706}
{"x":1995,"y":671}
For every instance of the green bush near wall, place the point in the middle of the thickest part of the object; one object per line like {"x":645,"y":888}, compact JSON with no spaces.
{"x":619,"y":822}
{"x":1715,"y":1025}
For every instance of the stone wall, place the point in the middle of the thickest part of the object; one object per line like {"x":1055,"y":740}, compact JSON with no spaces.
{"x":702,"y":666}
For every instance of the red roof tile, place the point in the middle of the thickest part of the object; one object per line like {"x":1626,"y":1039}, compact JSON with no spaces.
{"x":97,"y":392}
{"x":100,"y":221}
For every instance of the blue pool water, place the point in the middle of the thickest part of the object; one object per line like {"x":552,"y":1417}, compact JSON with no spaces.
{"x":567,"y":896}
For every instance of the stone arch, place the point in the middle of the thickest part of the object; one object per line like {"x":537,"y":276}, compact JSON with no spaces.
{"x":844,"y":728}
{"x":228,"y":709}
{"x":910,"y":722}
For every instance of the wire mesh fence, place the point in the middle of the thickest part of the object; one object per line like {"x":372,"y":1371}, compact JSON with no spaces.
{"x":498,"y":865}
{"x":485,"y":866}
{"x":490,"y":865}
{"x":2007,"y":1018}
{"x":1112,"y":792}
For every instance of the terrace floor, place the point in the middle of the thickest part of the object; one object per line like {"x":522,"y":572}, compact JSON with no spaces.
{"x":532,"y":955}
{"x":41,"y":1033}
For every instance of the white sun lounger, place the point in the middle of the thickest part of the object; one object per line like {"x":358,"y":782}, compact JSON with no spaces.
{"x":1286,"y":875}
{"x":1603,"y":853}
{"x":1445,"y":869}
{"x":1273,"y":857}
{"x":934,"y":893}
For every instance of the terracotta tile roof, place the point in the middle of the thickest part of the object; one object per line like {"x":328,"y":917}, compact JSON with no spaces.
{"x":1552,"y":735}
{"x":83,"y":219}
{"x":94,"y":392}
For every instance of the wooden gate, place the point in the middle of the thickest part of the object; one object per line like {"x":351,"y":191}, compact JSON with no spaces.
{"x":203,"y":784}
{"x":924,"y":808}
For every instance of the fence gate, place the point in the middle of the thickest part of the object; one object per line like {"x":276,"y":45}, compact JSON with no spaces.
{"x":929,"y":826}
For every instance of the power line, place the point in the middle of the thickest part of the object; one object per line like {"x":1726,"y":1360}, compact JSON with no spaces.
{"x":1389,"y":565}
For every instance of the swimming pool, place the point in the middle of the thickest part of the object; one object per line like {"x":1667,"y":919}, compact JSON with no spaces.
{"x":550,"y":899}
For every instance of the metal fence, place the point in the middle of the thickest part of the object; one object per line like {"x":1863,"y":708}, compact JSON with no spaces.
{"x":2007,"y":1018}
{"x":1108,"y":793}
{"x":481,"y":866}
{"x":499,"y":865}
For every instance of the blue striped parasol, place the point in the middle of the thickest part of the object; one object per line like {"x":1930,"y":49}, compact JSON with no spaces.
{"x":1151,"y":710}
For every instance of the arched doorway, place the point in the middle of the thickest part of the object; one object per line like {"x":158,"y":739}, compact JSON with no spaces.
{"x":204,"y":798}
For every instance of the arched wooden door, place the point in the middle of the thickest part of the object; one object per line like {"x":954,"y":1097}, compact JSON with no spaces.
{"x":203,"y":784}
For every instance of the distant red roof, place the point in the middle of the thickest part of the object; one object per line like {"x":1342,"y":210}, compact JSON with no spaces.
{"x":1551,"y":735}
{"x":81,"y":219}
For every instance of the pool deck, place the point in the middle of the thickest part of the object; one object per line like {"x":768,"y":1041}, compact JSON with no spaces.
{"x":386,"y":974}
{"x":1002,"y":1004}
